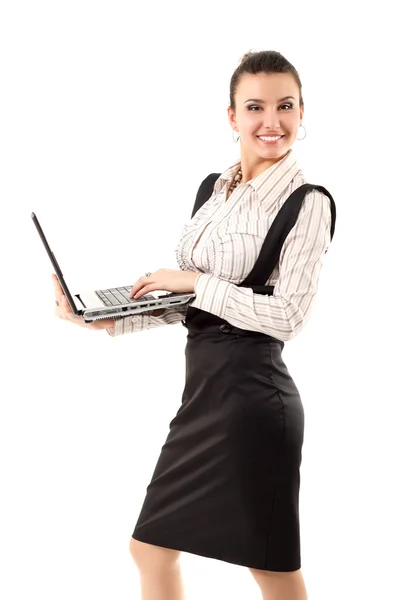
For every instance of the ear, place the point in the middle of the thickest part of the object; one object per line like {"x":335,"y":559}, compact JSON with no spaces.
{"x":231,"y":118}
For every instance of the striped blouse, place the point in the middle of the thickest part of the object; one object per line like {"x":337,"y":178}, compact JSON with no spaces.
{"x":222,"y":242}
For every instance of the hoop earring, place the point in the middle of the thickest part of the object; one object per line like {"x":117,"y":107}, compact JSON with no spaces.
{"x":304,"y":132}
{"x":233,"y":137}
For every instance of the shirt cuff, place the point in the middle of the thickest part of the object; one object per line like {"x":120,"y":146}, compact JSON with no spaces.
{"x":130,"y":324}
{"x":212,"y":294}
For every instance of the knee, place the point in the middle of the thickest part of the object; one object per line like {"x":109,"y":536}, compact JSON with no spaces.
{"x":280,"y":584}
{"x":150,"y":557}
{"x":140,"y":552}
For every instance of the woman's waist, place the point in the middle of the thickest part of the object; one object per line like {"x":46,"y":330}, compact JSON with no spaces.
{"x":202,"y":322}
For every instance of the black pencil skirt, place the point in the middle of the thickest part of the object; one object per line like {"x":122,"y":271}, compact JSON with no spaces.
{"x":226,"y":484}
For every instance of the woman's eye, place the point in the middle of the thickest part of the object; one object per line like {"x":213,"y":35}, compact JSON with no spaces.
{"x":290,"y":105}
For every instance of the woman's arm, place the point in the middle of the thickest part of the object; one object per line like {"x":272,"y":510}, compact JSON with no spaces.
{"x":284,"y":314}
{"x":143,"y":321}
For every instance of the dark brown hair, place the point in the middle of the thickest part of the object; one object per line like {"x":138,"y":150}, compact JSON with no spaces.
{"x":266,"y":61}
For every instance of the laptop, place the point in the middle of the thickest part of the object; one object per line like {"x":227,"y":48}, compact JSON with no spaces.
{"x":112,"y":302}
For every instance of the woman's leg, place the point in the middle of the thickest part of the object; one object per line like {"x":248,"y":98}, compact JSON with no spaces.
{"x":159,"y":570}
{"x":279,"y":585}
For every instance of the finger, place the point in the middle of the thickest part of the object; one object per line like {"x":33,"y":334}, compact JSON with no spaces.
{"x":139,"y":285}
{"x":60,"y":312}
{"x":57,"y":286}
{"x":55,"y":280}
{"x":65,"y":304}
{"x":136,"y":286}
{"x":145,"y":290}
{"x":59,"y":296}
{"x":69,"y":315}
{"x":59,"y":292}
{"x":133,"y":291}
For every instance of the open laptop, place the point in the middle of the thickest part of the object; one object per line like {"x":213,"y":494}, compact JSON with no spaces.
{"x":113,"y":302}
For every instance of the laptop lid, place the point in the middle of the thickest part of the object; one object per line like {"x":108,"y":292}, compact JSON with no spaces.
{"x":57,"y":269}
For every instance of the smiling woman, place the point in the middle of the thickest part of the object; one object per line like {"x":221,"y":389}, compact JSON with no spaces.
{"x":226,"y":484}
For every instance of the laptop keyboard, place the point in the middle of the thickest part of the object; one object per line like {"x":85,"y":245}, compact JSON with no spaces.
{"x":120,"y":295}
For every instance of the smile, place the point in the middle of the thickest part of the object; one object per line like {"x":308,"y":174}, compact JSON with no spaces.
{"x":269,"y":139}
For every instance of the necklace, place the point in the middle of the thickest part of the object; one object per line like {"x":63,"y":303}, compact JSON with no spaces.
{"x":235,"y":181}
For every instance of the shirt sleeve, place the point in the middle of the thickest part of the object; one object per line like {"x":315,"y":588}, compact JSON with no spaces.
{"x":142,"y":322}
{"x":285,"y":313}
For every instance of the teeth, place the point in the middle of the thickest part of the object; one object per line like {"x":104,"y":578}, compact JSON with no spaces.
{"x":269,"y":139}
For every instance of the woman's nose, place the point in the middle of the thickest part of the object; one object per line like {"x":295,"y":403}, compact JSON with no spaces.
{"x":271,"y":119}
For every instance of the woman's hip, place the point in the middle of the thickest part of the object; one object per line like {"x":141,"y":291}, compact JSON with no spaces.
{"x":243,"y":375}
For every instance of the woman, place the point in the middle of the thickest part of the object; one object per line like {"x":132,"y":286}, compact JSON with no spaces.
{"x":227,"y":481}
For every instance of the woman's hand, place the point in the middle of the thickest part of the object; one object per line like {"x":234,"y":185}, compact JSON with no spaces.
{"x":63,"y":311}
{"x":170,"y":280}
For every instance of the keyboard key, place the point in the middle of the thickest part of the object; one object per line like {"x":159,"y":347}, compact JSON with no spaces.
{"x":125,"y":294}
{"x":112,"y":299}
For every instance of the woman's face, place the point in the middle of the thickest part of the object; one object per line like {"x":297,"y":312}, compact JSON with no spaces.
{"x":263,"y":109}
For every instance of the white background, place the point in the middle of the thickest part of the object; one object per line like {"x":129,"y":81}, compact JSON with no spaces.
{"x":112,"y":113}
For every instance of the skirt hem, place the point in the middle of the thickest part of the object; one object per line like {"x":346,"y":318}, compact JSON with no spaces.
{"x":216,"y":556}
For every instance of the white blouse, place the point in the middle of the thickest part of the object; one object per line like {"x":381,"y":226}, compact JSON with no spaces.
{"x":223,"y":240}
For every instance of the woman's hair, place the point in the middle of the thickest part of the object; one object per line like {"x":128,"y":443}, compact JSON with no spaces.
{"x":266,"y":61}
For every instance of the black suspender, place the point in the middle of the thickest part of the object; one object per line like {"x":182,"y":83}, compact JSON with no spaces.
{"x":281,"y":225}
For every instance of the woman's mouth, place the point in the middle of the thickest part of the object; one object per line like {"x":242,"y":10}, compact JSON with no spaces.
{"x":270,"y":139}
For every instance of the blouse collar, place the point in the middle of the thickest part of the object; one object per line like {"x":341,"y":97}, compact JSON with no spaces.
{"x":271,"y":183}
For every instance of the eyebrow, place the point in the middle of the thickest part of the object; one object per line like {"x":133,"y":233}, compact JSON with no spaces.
{"x":263,"y":102}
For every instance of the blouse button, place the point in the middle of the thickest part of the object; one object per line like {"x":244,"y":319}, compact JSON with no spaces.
{"x":225,"y":328}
